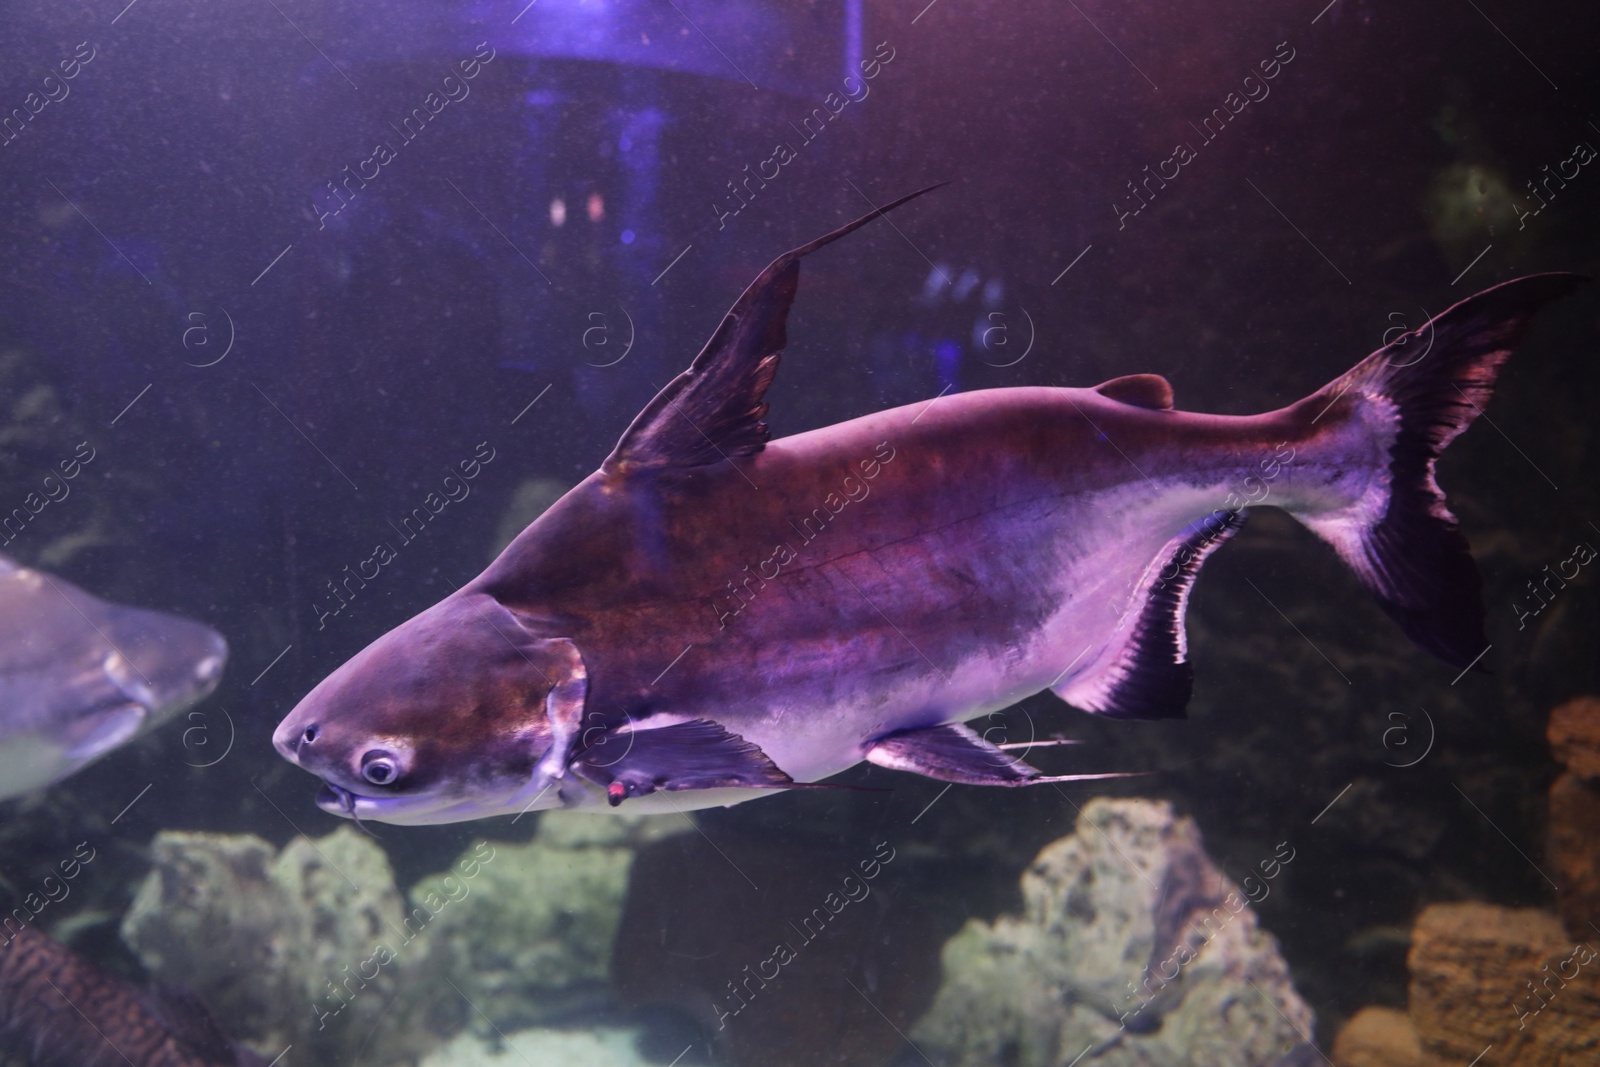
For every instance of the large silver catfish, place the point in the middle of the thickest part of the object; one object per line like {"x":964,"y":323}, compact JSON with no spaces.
{"x":80,"y":677}
{"x":710,"y":616}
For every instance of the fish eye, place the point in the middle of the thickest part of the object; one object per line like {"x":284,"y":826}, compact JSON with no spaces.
{"x":379,"y":767}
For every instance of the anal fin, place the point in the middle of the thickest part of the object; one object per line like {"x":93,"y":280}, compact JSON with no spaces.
{"x":1147,"y":674}
{"x":955,"y":753}
{"x":697,"y":754}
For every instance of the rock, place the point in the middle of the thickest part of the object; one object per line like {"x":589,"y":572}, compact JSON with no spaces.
{"x":284,"y":946}
{"x":314,"y":946}
{"x":569,"y":829}
{"x":1573,"y":824}
{"x":1378,"y":1037}
{"x":1571,"y":836}
{"x":1108,"y":912}
{"x":210,"y":916}
{"x":529,"y":940}
{"x":342,"y":888}
{"x":600,"y":1047}
{"x":1484,"y":975}
{"x":1574,"y":735}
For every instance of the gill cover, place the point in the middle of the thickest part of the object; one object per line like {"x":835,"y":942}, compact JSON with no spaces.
{"x":563,"y":706}
{"x":561,"y":666}
{"x":697,"y":754}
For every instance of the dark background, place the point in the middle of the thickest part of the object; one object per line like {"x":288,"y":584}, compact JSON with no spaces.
{"x":375,"y":354}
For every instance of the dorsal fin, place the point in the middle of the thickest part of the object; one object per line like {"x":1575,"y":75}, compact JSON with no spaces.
{"x":713,"y":410}
{"x":1141,"y":390}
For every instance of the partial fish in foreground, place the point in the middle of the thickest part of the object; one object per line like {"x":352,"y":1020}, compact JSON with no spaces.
{"x":710,"y":616}
{"x":59,"y":1010}
{"x":80,"y":677}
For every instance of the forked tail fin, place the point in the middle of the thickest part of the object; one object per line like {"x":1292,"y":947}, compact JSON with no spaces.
{"x":1425,"y":389}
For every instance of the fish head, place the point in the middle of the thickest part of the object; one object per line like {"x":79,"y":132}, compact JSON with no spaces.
{"x":138,"y":669}
{"x":164,"y":663}
{"x":80,"y":676}
{"x":445,"y":718}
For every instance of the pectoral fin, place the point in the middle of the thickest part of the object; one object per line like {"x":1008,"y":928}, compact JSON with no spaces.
{"x":954,"y":753}
{"x":698,"y":754}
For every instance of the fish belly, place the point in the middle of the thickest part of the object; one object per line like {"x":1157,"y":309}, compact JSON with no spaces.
{"x":946,"y":627}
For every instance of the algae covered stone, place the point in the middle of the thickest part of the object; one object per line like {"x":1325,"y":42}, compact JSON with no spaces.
{"x":281,"y":945}
{"x":210,"y":915}
{"x":1131,"y":946}
{"x":600,"y":1047}
{"x":530,"y":939}
{"x":581,"y":829}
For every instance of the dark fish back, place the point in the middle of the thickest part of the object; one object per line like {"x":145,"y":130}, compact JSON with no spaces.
{"x":59,"y":1010}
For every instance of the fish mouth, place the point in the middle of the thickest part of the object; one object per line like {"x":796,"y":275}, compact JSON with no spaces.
{"x":337,"y":800}
{"x":419,"y":809}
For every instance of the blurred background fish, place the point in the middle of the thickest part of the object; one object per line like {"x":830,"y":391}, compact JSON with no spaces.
{"x":80,"y":677}
{"x":57,"y":1008}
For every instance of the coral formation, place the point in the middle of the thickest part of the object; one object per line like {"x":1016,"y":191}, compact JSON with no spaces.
{"x":1131,"y":945}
